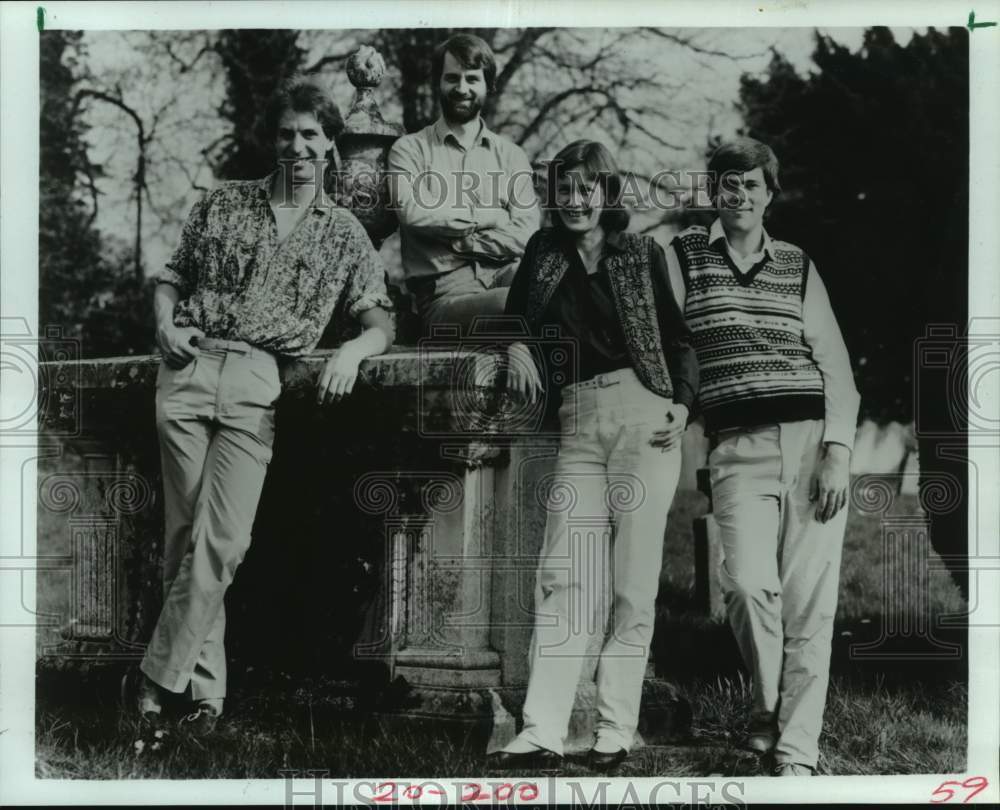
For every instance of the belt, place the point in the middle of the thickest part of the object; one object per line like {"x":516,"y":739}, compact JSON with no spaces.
{"x":717,"y":437}
{"x":237,"y":346}
{"x":600,"y":381}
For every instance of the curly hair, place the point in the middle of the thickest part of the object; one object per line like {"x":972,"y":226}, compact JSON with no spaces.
{"x":303,"y":95}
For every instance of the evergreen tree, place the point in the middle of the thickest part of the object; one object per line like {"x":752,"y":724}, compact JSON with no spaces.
{"x":874,"y":158}
{"x":874,"y":151}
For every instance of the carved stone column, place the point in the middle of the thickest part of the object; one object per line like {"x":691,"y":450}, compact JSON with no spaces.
{"x":96,"y":489}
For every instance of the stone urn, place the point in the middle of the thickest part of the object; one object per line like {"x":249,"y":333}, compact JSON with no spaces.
{"x":364,"y":145}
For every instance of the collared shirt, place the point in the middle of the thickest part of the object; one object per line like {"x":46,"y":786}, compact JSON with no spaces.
{"x":821,"y":333}
{"x":459,"y":206}
{"x":238,"y":281}
{"x":717,"y":237}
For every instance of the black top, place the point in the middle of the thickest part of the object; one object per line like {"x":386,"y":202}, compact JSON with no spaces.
{"x":583,"y":308}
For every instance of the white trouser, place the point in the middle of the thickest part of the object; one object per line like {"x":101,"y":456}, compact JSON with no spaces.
{"x":215,"y":419}
{"x":606,"y":474}
{"x":779,"y":577}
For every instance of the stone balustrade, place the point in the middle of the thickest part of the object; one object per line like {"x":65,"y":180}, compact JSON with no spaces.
{"x":431,"y":473}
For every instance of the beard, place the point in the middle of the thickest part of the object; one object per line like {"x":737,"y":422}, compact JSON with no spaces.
{"x":459,"y":116}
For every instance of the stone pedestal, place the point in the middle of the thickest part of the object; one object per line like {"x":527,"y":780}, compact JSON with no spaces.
{"x":455,"y":506}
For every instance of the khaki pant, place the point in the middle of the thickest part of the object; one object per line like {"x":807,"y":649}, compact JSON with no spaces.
{"x":780,"y":577}
{"x":606,"y":472}
{"x":459,"y":297}
{"x":215,"y":419}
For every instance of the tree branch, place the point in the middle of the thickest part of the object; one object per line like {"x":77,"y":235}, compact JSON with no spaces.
{"x":88,"y":172}
{"x":646,"y":131}
{"x":689,"y":43}
{"x":524,"y":44}
{"x":186,"y":66}
{"x":319,"y":64}
{"x":548,"y":106}
{"x":116,"y":101}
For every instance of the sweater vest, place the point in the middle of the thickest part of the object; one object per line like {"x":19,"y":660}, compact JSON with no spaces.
{"x":754,"y":363}
{"x":630,"y":274}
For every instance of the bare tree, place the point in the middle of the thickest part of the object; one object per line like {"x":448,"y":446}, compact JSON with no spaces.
{"x":191,"y":101}
{"x":145,"y":134}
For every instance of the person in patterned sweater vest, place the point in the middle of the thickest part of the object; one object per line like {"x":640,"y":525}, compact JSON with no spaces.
{"x":780,"y":408}
{"x":261,"y":268}
{"x":624,"y":408}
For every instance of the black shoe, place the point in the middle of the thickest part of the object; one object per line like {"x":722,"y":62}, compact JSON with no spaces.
{"x":600,"y":761}
{"x":199,"y":723}
{"x":542,"y":759}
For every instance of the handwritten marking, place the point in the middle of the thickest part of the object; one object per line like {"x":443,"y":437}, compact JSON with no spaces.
{"x":973,"y":25}
{"x":467,"y":792}
{"x":40,"y":19}
{"x":976,"y":784}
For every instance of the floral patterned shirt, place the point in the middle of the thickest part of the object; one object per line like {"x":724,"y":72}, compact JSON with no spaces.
{"x":239,"y":282}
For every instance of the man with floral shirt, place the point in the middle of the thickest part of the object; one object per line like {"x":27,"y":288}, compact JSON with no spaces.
{"x":261,"y":268}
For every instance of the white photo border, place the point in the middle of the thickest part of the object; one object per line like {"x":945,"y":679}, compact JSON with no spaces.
{"x":19,"y":117}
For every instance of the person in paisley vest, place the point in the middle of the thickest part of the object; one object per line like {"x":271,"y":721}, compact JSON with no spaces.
{"x":624,"y":409}
{"x":780,"y":408}
{"x":261,"y":267}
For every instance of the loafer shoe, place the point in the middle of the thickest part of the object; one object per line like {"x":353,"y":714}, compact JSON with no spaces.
{"x":201,"y":722}
{"x":542,"y":759}
{"x":603,"y":761}
{"x":792,"y":769}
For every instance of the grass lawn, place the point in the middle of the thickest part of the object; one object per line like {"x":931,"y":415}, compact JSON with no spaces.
{"x":882,"y":717}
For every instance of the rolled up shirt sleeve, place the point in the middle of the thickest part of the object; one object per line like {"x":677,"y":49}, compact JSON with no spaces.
{"x":366,"y":288}
{"x":181,"y":270}
{"x":822,"y":333}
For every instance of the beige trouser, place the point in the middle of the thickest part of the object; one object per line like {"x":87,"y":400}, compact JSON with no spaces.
{"x":779,"y":576}
{"x":459,"y":297}
{"x":215,"y":419}
{"x":606,"y":471}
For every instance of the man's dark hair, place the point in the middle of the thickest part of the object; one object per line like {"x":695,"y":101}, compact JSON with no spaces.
{"x":596,"y":162}
{"x":303,"y":95}
{"x":739,"y":156}
{"x":472,"y":52}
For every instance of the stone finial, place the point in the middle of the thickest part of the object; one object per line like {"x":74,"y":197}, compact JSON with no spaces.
{"x":360,"y":184}
{"x":366,"y":67}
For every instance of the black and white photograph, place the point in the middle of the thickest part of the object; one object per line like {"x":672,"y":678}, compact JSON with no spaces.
{"x":600,"y":407}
